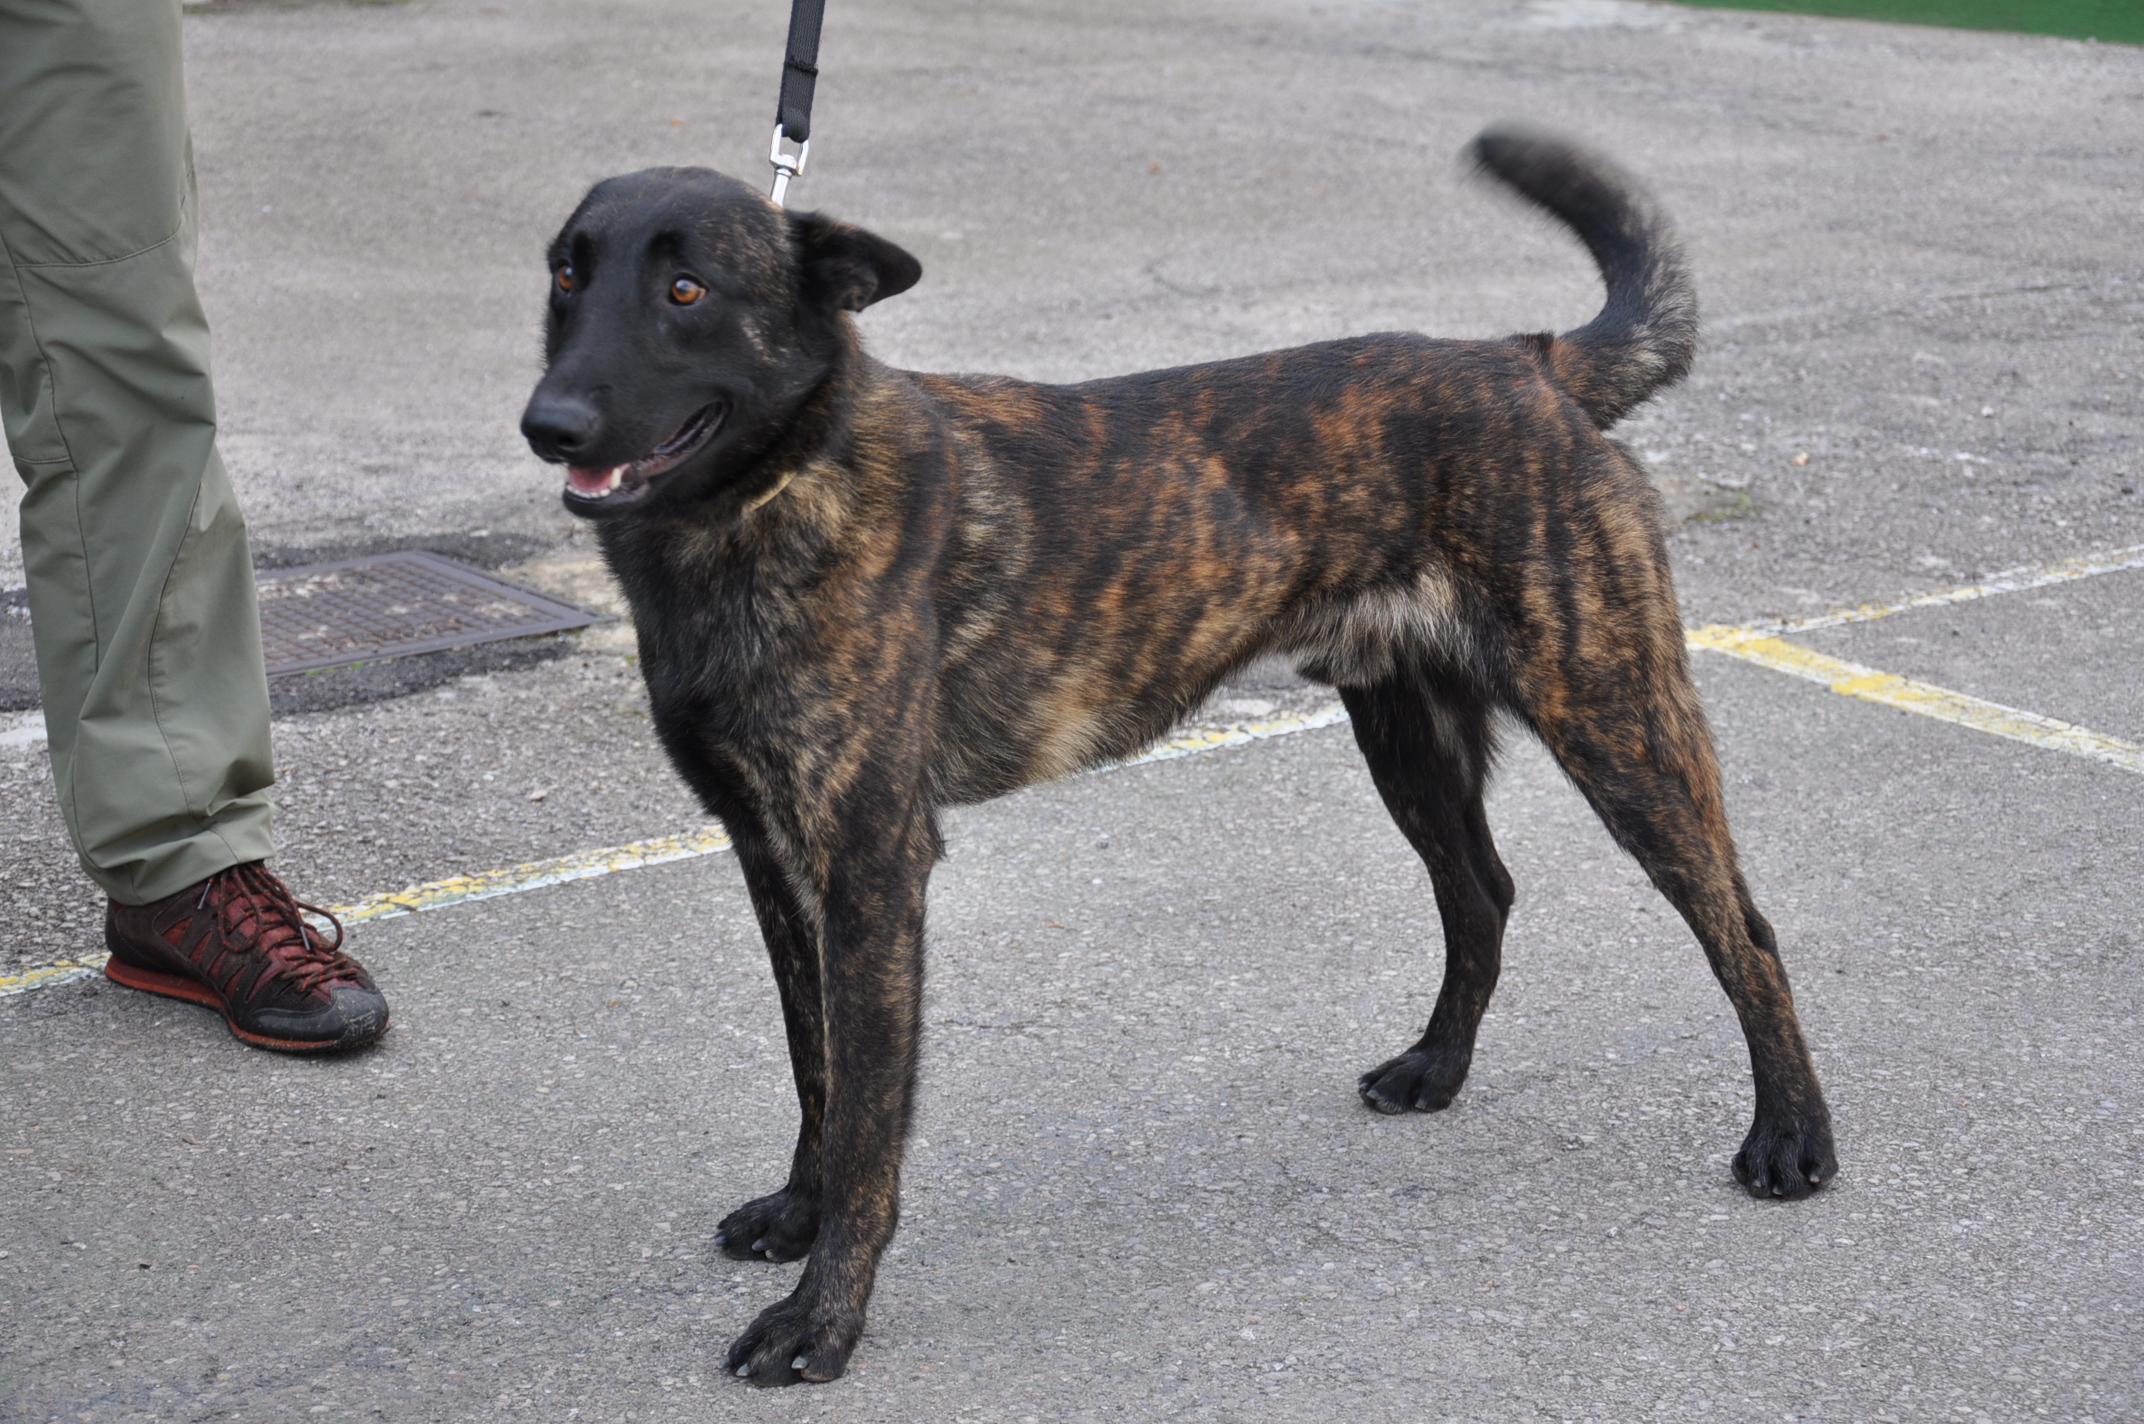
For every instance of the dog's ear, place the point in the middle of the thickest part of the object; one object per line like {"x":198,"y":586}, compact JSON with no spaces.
{"x":845,"y":268}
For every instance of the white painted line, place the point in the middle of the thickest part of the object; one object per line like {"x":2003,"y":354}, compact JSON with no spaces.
{"x":2010,"y":581}
{"x":27,"y":732}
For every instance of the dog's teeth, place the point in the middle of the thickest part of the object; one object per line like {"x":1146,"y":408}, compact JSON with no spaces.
{"x":617,"y":478}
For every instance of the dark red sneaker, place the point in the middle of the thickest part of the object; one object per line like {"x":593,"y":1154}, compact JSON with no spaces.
{"x":237,"y":943}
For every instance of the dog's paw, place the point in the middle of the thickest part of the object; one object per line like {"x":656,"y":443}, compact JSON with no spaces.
{"x":1420,"y":1080}
{"x":1786,"y":1157}
{"x":793,"y":1342}
{"x":777,"y":1227}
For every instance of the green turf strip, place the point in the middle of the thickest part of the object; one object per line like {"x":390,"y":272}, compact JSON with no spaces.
{"x":2120,"y":21}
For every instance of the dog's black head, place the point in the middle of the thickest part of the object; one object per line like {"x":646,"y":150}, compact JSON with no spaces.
{"x":690,"y":319}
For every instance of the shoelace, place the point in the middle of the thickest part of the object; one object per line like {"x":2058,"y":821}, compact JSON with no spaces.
{"x":258,"y":911}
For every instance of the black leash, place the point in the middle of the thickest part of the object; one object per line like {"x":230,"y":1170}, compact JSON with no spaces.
{"x":792,"y":113}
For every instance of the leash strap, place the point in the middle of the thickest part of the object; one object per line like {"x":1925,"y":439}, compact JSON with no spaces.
{"x":792,"y":113}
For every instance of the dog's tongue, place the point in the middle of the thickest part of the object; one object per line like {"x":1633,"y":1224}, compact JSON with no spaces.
{"x":587,"y":481}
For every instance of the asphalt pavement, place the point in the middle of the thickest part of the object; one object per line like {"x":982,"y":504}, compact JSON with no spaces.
{"x":1141,"y":1184}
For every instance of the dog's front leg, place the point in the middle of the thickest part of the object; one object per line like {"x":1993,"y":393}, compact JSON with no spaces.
{"x":871,"y":890}
{"x":782,"y":1225}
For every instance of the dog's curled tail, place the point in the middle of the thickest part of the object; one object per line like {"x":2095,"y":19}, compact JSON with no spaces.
{"x":1645,"y":335}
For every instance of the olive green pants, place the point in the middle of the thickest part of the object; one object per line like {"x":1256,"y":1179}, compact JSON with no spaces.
{"x":140,"y":583}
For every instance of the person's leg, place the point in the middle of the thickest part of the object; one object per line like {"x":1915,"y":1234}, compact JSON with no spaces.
{"x":140,"y":583}
{"x":141,"y":586}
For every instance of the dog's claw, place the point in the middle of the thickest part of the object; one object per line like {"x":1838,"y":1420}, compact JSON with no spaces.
{"x":1786,"y":1160}
{"x":1423,"y":1081}
{"x":781,"y":1227}
{"x":791,"y":1342}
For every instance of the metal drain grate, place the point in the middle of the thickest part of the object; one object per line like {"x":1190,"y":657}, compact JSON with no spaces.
{"x":393,"y":605}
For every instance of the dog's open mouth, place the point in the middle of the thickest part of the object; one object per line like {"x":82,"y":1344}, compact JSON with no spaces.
{"x":589,"y":487}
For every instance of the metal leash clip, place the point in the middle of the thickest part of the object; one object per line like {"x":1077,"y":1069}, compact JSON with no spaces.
{"x":786,"y":165}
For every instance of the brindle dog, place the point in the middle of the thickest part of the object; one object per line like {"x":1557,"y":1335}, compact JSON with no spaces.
{"x":863,"y":594}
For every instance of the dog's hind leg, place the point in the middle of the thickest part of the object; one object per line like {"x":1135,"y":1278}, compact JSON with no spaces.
{"x":782,"y":1225}
{"x":1428,"y":743}
{"x":1612,"y":698}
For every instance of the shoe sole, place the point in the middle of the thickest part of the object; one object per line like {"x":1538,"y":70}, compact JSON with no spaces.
{"x":192,"y":991}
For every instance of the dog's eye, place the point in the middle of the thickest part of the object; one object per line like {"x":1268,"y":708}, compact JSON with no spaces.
{"x":564,"y":276}
{"x":684,"y":291}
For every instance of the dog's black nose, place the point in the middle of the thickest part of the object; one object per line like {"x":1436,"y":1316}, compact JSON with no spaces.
{"x":559,"y":427}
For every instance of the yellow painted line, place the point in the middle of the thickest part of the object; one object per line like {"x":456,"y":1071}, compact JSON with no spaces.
{"x":2009,"y":581}
{"x":459,"y":889}
{"x":44,"y":976}
{"x":711,"y":840}
{"x":1872,"y":685}
{"x":1234,"y":735}
{"x":1757,"y":643}
{"x":455,"y":890}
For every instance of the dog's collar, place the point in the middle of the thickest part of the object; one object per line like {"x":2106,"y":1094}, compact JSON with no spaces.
{"x":779,"y":485}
